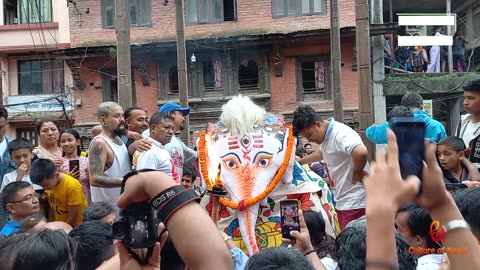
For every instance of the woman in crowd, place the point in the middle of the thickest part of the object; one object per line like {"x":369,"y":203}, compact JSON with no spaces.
{"x":70,"y":143}
{"x":48,"y":133}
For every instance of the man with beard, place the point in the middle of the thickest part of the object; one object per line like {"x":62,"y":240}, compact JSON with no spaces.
{"x":108,"y":157}
{"x":136,"y":122}
{"x":180,"y":153}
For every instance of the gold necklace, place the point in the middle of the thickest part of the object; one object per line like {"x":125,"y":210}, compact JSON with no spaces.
{"x":51,"y":153}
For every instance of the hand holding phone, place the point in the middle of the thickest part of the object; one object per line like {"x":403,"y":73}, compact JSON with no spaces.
{"x":74,"y":165}
{"x":289,"y":217}
{"x":410,"y":135}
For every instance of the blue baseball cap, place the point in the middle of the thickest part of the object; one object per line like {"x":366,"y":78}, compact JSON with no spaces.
{"x":172,"y":106}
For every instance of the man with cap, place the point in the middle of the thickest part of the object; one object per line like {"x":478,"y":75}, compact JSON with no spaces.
{"x":180,"y":153}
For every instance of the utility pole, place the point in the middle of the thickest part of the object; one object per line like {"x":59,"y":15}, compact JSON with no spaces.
{"x":182,"y":66}
{"x":124,"y":62}
{"x":336,"y":58}
{"x":449,"y":33}
{"x":378,"y":67}
{"x":362,"y":29}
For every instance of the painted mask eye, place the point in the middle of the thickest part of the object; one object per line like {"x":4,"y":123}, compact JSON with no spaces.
{"x":231,"y":164}
{"x":263,"y":162}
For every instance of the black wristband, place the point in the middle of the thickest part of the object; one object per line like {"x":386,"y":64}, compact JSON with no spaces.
{"x":309,"y":252}
{"x":170,"y":200}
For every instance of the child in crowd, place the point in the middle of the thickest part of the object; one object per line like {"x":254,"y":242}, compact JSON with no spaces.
{"x":65,"y":194}
{"x":21,"y":153}
{"x":450,"y":152}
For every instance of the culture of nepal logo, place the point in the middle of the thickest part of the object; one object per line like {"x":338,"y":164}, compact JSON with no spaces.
{"x":438,"y":235}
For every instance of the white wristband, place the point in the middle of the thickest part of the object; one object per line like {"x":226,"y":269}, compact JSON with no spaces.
{"x":456,"y":224}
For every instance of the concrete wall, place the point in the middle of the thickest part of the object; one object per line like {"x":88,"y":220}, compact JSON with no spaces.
{"x":92,"y":95}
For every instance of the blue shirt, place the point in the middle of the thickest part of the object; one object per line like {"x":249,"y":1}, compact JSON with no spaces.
{"x":239,"y":259}
{"x":10,"y":228}
{"x":434,"y":130}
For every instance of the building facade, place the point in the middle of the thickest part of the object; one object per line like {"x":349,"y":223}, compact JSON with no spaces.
{"x":275,"y":51}
{"x":35,"y":80}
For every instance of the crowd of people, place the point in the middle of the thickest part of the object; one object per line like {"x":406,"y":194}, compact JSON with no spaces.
{"x":431,"y":59}
{"x":59,"y":203}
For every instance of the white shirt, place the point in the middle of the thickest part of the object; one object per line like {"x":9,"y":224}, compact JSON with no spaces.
{"x":156,"y":158}
{"x":329,"y":263}
{"x":3,"y":147}
{"x":181,"y":154}
{"x":429,"y":262}
{"x":340,"y":140}
{"x":121,"y":165}
{"x":12,"y":177}
{"x":471,"y":131}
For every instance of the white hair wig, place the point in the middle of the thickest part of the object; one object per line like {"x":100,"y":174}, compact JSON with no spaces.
{"x":240,"y":114}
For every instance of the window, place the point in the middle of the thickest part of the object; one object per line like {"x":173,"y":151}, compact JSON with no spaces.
{"x":28,"y":11}
{"x":139,"y":13}
{"x":312,"y":78}
{"x":248,"y":74}
{"x":40,"y":77}
{"x":27,"y":133}
{"x":210,"y":11}
{"x":212,"y":75}
{"x":283,"y":8}
{"x":173,"y":80}
{"x":110,"y":87}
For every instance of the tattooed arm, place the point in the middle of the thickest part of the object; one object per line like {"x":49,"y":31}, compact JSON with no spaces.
{"x":97,"y":159}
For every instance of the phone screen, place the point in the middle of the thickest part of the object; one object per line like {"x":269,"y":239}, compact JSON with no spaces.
{"x":74,"y":163}
{"x":411,"y":145}
{"x":289,"y":217}
{"x":139,"y":230}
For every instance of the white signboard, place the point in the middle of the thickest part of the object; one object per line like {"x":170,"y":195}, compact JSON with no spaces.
{"x":423,"y":20}
{"x":428,"y":107}
{"x":39,"y":103}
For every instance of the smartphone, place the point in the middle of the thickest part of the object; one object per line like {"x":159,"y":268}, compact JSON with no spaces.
{"x":289,"y":217}
{"x":410,"y":135}
{"x":136,"y":226}
{"x":74,"y":163}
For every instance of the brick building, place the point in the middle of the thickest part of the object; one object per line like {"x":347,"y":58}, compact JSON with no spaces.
{"x":275,"y":51}
{"x":34,"y":75}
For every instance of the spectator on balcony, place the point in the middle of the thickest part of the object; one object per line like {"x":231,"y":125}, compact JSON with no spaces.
{"x":436,"y":55}
{"x":388,"y":53}
{"x":404,"y":57}
{"x":459,"y":50}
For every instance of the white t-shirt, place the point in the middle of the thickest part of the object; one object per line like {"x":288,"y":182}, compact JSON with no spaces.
{"x":329,"y":263}
{"x":156,"y":158}
{"x":180,"y":153}
{"x":339,"y":143}
{"x":3,"y":147}
{"x":12,"y":177}
{"x":470,"y":131}
{"x":429,"y":262}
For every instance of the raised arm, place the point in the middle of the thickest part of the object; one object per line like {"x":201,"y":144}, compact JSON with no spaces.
{"x":313,"y":157}
{"x":97,"y":158}
{"x":195,"y":244}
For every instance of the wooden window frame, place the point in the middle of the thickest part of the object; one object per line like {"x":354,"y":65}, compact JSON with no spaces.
{"x":298,"y":12}
{"x":304,"y":96}
{"x":147,"y":11}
